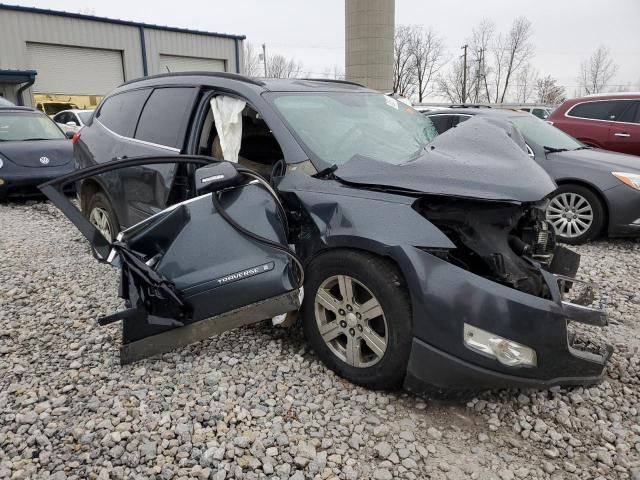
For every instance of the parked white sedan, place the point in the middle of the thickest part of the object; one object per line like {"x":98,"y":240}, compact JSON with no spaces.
{"x":72,"y":120}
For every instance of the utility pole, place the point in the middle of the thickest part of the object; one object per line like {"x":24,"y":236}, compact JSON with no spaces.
{"x":264,"y":58}
{"x":464,"y":74}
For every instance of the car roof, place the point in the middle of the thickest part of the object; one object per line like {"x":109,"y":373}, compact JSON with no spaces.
{"x":75,"y":110}
{"x":263,"y":84}
{"x":497,"y":112}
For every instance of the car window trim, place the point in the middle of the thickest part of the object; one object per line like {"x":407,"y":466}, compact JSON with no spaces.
{"x":143,"y":142}
{"x":566,"y":114}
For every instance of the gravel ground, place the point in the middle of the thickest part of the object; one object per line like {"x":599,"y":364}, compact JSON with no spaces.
{"x":254,"y":403}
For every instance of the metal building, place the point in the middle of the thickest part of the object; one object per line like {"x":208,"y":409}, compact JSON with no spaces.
{"x":51,"y":59}
{"x":369,"y":31}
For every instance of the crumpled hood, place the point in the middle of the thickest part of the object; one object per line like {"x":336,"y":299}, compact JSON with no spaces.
{"x":481,"y":158}
{"x":29,"y":153}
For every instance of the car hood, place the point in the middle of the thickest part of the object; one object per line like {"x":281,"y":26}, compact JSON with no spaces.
{"x":601,"y":159}
{"x":33,"y":153}
{"x":483,"y":158}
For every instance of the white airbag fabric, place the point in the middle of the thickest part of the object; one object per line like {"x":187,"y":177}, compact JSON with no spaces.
{"x":227,"y":114}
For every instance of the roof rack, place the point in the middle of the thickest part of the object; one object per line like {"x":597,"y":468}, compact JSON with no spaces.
{"x":333,"y":80}
{"x":229,"y":75}
{"x":469,"y":105}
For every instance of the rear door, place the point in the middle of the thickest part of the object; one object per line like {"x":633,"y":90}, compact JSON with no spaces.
{"x":590,"y":121}
{"x":200,"y":267}
{"x":624,"y":133}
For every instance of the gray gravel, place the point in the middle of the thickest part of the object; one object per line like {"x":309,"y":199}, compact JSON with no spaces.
{"x":254,"y":403}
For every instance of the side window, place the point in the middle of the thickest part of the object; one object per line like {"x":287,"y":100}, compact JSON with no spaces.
{"x":60,"y":118}
{"x":442,"y":123}
{"x":120,"y":112}
{"x":631,"y":114}
{"x":165,"y":116}
{"x":540,"y":113}
{"x":456,"y":119}
{"x":601,"y":110}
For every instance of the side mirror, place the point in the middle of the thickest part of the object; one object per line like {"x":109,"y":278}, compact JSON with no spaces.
{"x":69,"y":134}
{"x":216,"y":177}
{"x":71,"y":124}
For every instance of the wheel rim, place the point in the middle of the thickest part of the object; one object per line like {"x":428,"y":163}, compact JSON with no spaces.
{"x":99,"y":218}
{"x":351,"y":321}
{"x":571,"y":214}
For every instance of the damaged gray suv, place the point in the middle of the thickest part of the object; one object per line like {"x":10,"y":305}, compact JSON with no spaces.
{"x":409,"y":259}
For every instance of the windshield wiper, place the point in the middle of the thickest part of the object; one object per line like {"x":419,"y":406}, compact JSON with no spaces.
{"x":584,"y":147}
{"x":30,"y":139}
{"x":554,"y":149}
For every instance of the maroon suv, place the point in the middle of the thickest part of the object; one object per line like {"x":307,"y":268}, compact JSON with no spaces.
{"x":610,"y":121}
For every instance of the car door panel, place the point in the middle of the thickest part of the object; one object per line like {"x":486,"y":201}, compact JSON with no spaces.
{"x":188,"y":272}
{"x":624,"y":135}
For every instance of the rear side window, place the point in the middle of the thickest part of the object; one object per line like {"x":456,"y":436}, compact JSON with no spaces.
{"x":456,"y":119}
{"x":120,"y":112}
{"x":165,"y":116}
{"x":603,"y":110}
{"x":441,"y":122}
{"x":631,"y":114}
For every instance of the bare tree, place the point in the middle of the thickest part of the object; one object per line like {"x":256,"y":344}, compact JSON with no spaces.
{"x":480,"y":69}
{"x":426,"y":49}
{"x":525,"y":83}
{"x":597,"y":71}
{"x":548,"y":92}
{"x":404,"y":71}
{"x":450,"y":82}
{"x":251,"y":61}
{"x":511,"y":53}
{"x":279,"y":66}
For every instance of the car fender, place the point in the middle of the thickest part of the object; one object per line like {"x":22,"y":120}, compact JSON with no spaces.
{"x":342,"y":217}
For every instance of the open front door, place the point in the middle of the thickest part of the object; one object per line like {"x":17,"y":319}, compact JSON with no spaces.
{"x":212,"y":263}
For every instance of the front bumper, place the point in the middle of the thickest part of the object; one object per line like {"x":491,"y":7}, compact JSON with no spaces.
{"x":624,"y":211}
{"x":24,"y":183}
{"x":445,"y":297}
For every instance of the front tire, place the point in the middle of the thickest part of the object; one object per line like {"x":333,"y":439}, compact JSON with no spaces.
{"x":576,"y":213}
{"x":357,"y":317}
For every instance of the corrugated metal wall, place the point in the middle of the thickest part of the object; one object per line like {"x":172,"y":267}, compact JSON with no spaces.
{"x":187,"y":45}
{"x":19,"y":27}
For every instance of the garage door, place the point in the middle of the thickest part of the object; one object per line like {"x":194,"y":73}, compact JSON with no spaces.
{"x":75,"y":70}
{"x":174,"y":63}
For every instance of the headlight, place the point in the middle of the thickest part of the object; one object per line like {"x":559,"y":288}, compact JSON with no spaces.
{"x":631,"y":179}
{"x":507,"y":352}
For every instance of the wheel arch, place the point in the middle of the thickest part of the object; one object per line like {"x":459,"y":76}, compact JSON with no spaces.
{"x":595,"y":190}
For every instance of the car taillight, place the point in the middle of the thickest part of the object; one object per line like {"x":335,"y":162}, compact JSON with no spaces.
{"x":75,"y":138}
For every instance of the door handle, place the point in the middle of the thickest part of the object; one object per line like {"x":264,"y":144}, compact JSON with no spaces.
{"x":619,"y":134}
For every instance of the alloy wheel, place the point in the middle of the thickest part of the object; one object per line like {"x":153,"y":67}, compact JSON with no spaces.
{"x":99,"y":218}
{"x":351,"y":321}
{"x":571,"y":214}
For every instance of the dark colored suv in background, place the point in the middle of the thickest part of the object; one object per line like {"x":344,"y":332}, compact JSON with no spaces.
{"x":610,"y":121}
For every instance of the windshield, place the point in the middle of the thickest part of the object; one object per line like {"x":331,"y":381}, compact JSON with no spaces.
{"x":27,"y":126}
{"x":541,"y":133}
{"x":85,"y":116}
{"x":51,"y":108}
{"x":337,"y":126}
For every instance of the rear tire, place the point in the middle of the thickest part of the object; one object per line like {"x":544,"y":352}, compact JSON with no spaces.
{"x":366,"y":335}
{"x":101,"y":215}
{"x":576,"y":213}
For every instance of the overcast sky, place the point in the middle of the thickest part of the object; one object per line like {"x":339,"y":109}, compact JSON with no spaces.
{"x":564,"y":31}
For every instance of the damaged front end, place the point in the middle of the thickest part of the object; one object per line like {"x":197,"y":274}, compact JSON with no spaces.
{"x":519,"y":318}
